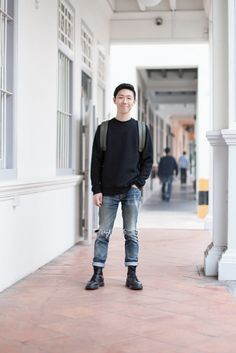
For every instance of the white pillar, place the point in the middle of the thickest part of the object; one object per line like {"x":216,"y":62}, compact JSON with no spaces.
{"x":227,"y":264}
{"x":214,"y":251}
{"x":220,"y":64}
{"x":231,"y":65}
{"x":219,"y":44}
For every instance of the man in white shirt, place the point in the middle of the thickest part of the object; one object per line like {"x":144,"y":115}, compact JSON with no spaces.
{"x":183,"y":165}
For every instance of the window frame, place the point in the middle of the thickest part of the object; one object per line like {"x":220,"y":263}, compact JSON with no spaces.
{"x":87,"y":49}
{"x":65,"y":164}
{"x":7,"y":90}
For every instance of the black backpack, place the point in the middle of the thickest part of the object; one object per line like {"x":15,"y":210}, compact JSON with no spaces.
{"x":103,"y":135}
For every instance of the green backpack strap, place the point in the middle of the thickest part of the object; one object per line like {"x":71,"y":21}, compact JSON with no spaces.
{"x":103,"y":135}
{"x":142,"y":135}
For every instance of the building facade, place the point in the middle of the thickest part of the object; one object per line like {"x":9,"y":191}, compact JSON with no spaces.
{"x":60,"y":61}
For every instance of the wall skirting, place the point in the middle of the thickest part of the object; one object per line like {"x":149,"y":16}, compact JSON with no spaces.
{"x":12,"y":189}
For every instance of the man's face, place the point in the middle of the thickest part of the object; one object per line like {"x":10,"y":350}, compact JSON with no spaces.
{"x":124,"y":101}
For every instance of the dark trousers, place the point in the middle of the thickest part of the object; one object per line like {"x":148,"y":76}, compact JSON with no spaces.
{"x":166,"y":187}
{"x":183,"y":175}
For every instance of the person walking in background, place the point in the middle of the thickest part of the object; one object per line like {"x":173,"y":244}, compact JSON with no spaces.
{"x":166,"y":168}
{"x":118,"y":174}
{"x":183,"y":165}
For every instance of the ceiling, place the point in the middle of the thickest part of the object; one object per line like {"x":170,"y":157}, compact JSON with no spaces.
{"x":174,"y":90}
{"x":170,"y":86}
{"x":124,"y":6}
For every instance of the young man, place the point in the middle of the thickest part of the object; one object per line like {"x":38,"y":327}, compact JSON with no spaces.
{"x":166,"y":169}
{"x":117,"y":175}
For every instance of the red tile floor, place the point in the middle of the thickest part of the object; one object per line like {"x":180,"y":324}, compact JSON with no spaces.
{"x":179,"y":310}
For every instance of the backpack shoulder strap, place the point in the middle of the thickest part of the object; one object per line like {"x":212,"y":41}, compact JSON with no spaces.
{"x":142,"y":135}
{"x":103,"y":135}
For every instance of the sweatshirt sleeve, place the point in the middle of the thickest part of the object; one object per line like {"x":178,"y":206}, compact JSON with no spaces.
{"x":159,"y":170}
{"x":146,"y":160}
{"x":96,"y":163}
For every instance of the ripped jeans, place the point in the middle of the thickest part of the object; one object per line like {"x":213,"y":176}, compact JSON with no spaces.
{"x":130,"y":203}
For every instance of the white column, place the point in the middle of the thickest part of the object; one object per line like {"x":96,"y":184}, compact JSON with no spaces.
{"x":219,"y":203}
{"x":219,"y":45}
{"x":231,"y":61}
{"x":227,"y":264}
{"x":220,"y":64}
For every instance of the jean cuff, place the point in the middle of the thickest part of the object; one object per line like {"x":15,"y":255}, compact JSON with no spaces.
{"x":131,"y":263}
{"x":98,"y":264}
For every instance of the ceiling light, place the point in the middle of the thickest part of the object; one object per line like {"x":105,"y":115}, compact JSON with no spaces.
{"x":150,"y":3}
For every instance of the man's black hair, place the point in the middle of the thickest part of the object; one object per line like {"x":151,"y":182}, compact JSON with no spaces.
{"x":124,"y":86}
{"x":167,"y":150}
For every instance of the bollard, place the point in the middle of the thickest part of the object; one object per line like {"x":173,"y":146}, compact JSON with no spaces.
{"x":203,"y":187}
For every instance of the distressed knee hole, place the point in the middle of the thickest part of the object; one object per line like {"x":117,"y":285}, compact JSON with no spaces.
{"x":104,"y":234}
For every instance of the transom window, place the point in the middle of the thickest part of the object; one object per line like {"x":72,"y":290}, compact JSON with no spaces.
{"x":87,"y":44}
{"x":101,"y":66}
{"x":66,"y":24}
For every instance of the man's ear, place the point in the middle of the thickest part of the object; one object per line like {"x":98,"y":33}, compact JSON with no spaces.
{"x":114,"y":99}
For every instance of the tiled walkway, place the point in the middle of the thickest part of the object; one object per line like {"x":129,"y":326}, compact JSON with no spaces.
{"x":179,"y":310}
{"x":179,"y":213}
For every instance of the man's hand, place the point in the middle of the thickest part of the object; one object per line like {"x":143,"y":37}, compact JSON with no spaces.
{"x":97,"y":199}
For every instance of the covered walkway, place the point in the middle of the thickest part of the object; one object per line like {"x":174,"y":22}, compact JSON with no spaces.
{"x":179,"y":310}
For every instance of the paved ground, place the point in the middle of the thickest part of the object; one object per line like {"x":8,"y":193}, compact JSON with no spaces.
{"x":179,"y":310}
{"x":179,"y":213}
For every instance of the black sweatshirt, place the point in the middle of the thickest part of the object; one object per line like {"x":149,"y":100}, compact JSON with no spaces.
{"x":167,"y":166}
{"x":114,"y":171}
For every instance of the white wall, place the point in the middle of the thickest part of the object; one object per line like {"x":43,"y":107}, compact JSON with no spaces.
{"x":39,"y":210}
{"x":96,"y":15}
{"x":34,"y":229}
{"x":36,"y":89}
{"x":126,"y":59}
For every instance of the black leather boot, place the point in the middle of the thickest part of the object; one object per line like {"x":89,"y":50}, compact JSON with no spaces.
{"x":132,"y":281}
{"x":97,"y":279}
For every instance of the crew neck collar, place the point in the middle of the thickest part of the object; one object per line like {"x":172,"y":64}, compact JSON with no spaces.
{"x":122,"y":121}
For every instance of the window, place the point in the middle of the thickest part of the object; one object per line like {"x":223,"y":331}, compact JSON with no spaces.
{"x":101,"y":66}
{"x":64,"y":114}
{"x":6,"y":85}
{"x":65,"y":24}
{"x":65,"y":93}
{"x":87,"y":46}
